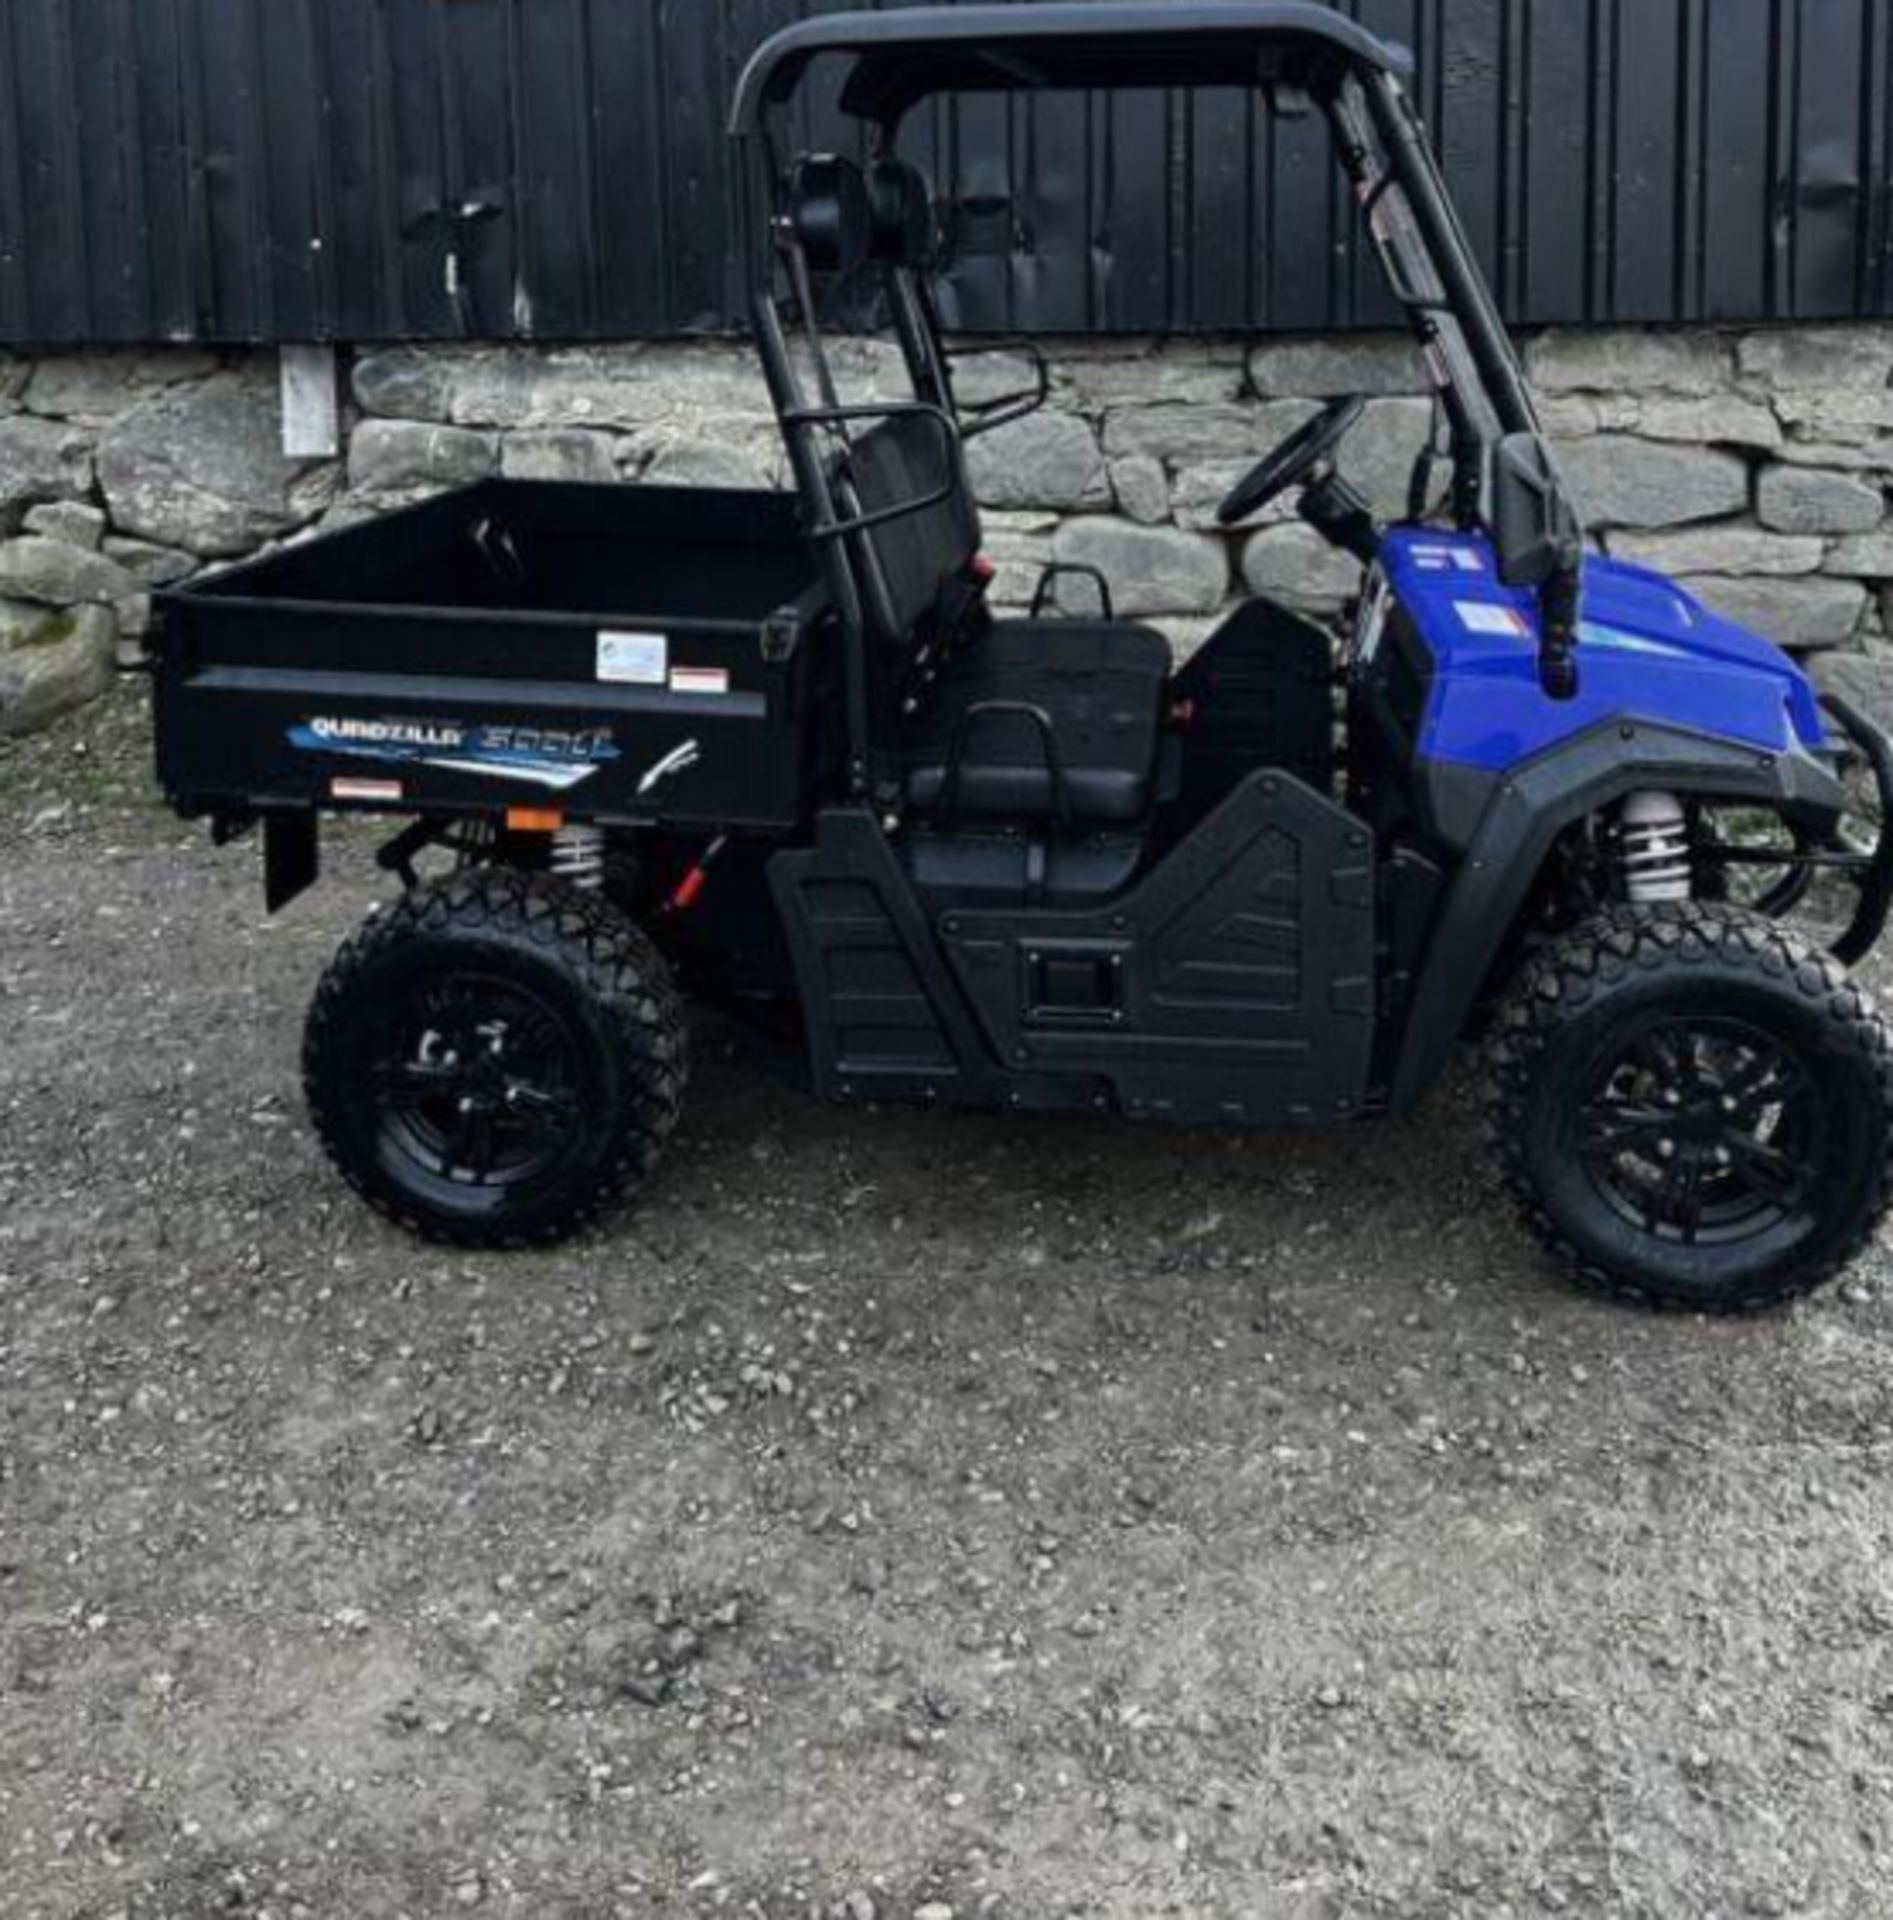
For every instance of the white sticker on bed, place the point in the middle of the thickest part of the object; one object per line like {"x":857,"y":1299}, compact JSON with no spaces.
{"x":633,"y":659}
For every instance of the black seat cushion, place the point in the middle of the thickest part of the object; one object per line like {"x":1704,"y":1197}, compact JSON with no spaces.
{"x":919,"y":576}
{"x":1100,"y":684}
{"x":1105,"y":721}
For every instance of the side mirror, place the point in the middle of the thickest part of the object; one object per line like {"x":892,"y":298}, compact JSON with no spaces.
{"x":1534,"y":525}
{"x":1539,"y":540}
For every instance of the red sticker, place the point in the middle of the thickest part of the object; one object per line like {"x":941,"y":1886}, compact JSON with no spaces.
{"x":377,"y":791}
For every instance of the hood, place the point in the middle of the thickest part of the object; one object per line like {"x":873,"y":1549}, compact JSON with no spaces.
{"x":1647,"y":651}
{"x":1634,"y":602}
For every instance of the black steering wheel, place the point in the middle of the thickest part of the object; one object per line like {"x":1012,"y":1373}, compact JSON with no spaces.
{"x":1297,"y":459}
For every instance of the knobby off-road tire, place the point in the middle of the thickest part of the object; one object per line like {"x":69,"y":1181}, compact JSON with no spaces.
{"x":496,"y":1059}
{"x":1693,"y":1108}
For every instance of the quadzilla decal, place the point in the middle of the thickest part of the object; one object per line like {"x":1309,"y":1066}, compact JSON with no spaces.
{"x":558,"y":758}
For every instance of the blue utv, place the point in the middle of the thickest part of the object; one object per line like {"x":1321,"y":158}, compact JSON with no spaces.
{"x":779,"y":748}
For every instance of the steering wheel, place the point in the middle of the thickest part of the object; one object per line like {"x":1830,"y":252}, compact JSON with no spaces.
{"x":1297,"y":459}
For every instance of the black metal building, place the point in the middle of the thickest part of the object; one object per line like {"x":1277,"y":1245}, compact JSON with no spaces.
{"x":351,"y":170}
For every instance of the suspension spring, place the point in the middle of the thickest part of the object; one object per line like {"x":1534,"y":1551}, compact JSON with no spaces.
{"x":1653,"y":849}
{"x":578,"y":856}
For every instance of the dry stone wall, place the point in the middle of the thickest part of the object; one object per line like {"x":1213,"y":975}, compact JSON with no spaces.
{"x":1754,"y":466}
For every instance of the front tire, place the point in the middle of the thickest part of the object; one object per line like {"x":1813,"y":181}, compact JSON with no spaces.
{"x":1693,"y":1107}
{"x":496,"y":1059}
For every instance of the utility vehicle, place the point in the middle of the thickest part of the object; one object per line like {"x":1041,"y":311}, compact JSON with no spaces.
{"x":777,"y":747}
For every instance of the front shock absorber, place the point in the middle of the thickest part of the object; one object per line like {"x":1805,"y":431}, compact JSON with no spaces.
{"x":1653,"y":851}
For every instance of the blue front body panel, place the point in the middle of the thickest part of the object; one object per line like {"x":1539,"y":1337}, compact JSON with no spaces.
{"x":1647,"y":652}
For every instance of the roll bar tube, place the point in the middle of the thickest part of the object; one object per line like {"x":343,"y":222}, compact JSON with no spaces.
{"x":1481,"y":336}
{"x":1445,"y":239}
{"x":1559,"y":595}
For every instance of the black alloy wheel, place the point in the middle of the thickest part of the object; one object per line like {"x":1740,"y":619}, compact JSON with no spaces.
{"x":1693,"y":1107}
{"x":481,"y":1083}
{"x":1705,"y":1131}
{"x":496,"y":1059}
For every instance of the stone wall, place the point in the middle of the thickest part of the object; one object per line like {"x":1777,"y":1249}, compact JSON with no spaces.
{"x":1754,"y":466}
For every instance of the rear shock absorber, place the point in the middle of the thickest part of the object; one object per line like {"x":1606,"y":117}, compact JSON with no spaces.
{"x":578,"y":856}
{"x":1653,"y":849}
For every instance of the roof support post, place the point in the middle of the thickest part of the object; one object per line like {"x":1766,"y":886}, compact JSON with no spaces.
{"x":1466,"y":291}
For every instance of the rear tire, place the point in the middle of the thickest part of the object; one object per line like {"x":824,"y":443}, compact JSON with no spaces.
{"x":1693,"y":1107}
{"x":496,"y":1059}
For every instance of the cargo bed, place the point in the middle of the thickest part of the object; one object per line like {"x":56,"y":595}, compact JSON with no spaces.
{"x":624,"y":654}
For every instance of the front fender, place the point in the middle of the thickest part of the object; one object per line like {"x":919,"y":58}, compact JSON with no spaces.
{"x":1528,"y":809}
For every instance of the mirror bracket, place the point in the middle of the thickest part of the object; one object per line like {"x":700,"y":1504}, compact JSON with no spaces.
{"x":1539,"y":540}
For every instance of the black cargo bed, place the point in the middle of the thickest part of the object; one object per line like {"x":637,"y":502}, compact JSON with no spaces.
{"x":620,"y":653}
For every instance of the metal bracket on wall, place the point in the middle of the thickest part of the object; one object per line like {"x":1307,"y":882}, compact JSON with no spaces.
{"x":312,"y":416}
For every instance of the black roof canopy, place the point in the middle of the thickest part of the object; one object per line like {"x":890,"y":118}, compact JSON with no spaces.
{"x":905,"y":56}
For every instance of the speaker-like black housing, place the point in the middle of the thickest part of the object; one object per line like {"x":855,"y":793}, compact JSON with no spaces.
{"x":829,"y":212}
{"x":901,"y":206}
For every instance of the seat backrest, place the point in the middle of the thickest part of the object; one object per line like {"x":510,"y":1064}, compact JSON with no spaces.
{"x":917,"y":568}
{"x":924,"y":555}
{"x":913,"y":569}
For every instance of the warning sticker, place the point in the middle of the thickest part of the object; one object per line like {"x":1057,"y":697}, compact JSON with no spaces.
{"x":699,"y":679}
{"x":633,"y":659}
{"x":1480,"y":616}
{"x":376,"y":792}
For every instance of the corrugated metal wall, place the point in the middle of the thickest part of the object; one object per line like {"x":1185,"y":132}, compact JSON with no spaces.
{"x":358,"y":169}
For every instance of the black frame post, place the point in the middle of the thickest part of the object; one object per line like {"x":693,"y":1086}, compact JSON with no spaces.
{"x":1466,"y":291}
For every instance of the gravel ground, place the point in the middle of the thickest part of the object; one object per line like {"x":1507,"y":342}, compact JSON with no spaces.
{"x":897,"y":1516}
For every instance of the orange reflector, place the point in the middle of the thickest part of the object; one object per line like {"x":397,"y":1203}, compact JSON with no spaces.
{"x":534,"y":819}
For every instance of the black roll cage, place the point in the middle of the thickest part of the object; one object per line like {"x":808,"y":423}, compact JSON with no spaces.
{"x":1301,"y":52}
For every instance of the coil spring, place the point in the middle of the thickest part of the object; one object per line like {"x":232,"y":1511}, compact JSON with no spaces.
{"x":578,"y":856}
{"x":473,"y":845}
{"x":1653,"y":850}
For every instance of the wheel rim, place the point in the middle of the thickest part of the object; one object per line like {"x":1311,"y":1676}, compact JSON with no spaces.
{"x":1703,"y":1132}
{"x":478,"y":1082}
